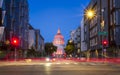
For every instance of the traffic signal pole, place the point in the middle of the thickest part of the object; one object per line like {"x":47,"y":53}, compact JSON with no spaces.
{"x":15,"y":54}
{"x":104,"y":43}
{"x":15,"y":43}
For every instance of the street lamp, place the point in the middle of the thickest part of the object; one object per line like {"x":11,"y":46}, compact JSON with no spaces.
{"x":70,"y":41}
{"x":90,"y":13}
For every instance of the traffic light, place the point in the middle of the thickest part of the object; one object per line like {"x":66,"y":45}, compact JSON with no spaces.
{"x":104,"y":42}
{"x":15,"y":41}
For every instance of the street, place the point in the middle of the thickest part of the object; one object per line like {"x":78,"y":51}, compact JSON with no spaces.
{"x":60,"y":67}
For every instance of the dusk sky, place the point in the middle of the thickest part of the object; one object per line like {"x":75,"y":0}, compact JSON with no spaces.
{"x":49,"y":15}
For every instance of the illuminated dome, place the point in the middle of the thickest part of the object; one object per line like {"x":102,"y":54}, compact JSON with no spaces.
{"x":58,"y":39}
{"x":59,"y":42}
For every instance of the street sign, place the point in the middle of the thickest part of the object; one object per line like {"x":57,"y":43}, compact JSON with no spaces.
{"x":102,"y":33}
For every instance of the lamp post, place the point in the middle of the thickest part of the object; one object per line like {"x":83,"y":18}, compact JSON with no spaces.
{"x":104,"y":43}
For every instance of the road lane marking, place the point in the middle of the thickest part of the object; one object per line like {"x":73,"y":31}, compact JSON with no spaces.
{"x":67,"y":63}
{"x":92,"y":64}
{"x":75,"y":63}
{"x":58,"y":63}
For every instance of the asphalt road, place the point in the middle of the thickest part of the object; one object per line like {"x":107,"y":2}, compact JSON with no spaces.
{"x":60,"y":68}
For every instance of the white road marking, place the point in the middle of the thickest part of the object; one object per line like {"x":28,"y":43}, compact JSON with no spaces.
{"x":67,"y":63}
{"x":75,"y":63}
{"x":58,"y":63}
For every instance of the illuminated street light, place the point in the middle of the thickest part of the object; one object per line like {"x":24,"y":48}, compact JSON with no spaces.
{"x":90,"y":13}
{"x":70,"y":41}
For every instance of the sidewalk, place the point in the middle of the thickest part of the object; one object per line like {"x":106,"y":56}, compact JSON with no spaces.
{"x":107,"y":60}
{"x":23,"y":62}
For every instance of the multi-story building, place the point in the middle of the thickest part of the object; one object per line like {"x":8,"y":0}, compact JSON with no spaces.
{"x":35,"y":39}
{"x":2,"y":28}
{"x":72,"y":35}
{"x":2,"y":19}
{"x":83,"y":43}
{"x":39,"y":41}
{"x":17,"y":22}
{"x":78,"y":42}
{"x":76,"y":38}
{"x":93,"y":26}
{"x":115,"y":25}
{"x":103,"y":26}
{"x":42,"y":44}
{"x":31,"y":38}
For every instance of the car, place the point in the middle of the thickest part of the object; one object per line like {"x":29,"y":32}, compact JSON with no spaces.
{"x":47,"y":59}
{"x":53,"y":59}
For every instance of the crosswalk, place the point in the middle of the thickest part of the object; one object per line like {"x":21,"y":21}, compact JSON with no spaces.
{"x":75,"y":63}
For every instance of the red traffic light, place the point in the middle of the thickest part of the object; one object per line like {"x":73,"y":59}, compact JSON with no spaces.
{"x":15,"y":41}
{"x":105,"y":42}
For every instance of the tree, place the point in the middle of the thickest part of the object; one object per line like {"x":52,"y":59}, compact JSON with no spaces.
{"x":50,"y":48}
{"x":70,"y":47}
{"x":31,"y":52}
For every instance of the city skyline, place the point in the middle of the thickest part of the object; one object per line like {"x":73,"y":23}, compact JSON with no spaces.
{"x":48,"y":16}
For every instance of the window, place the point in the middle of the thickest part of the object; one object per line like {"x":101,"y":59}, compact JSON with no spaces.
{"x":114,"y":18}
{"x":111,"y":4}
{"x":114,"y":3}
{"x":96,"y":41}
{"x":0,"y":16}
{"x":85,"y":28}
{"x":111,"y":23}
{"x":111,"y":35}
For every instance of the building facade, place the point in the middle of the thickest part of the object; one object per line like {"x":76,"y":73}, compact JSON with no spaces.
{"x":72,"y":35}
{"x":39,"y":41}
{"x":17,"y":15}
{"x":93,"y":26}
{"x":35,"y":39}
{"x":115,"y":25}
{"x":76,"y":38}
{"x":2,"y":13}
{"x":103,"y":26}
{"x":2,"y":20}
{"x":32,"y":37}
{"x":59,"y":42}
{"x":17,"y":23}
{"x":77,"y":42}
{"x":83,"y":43}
